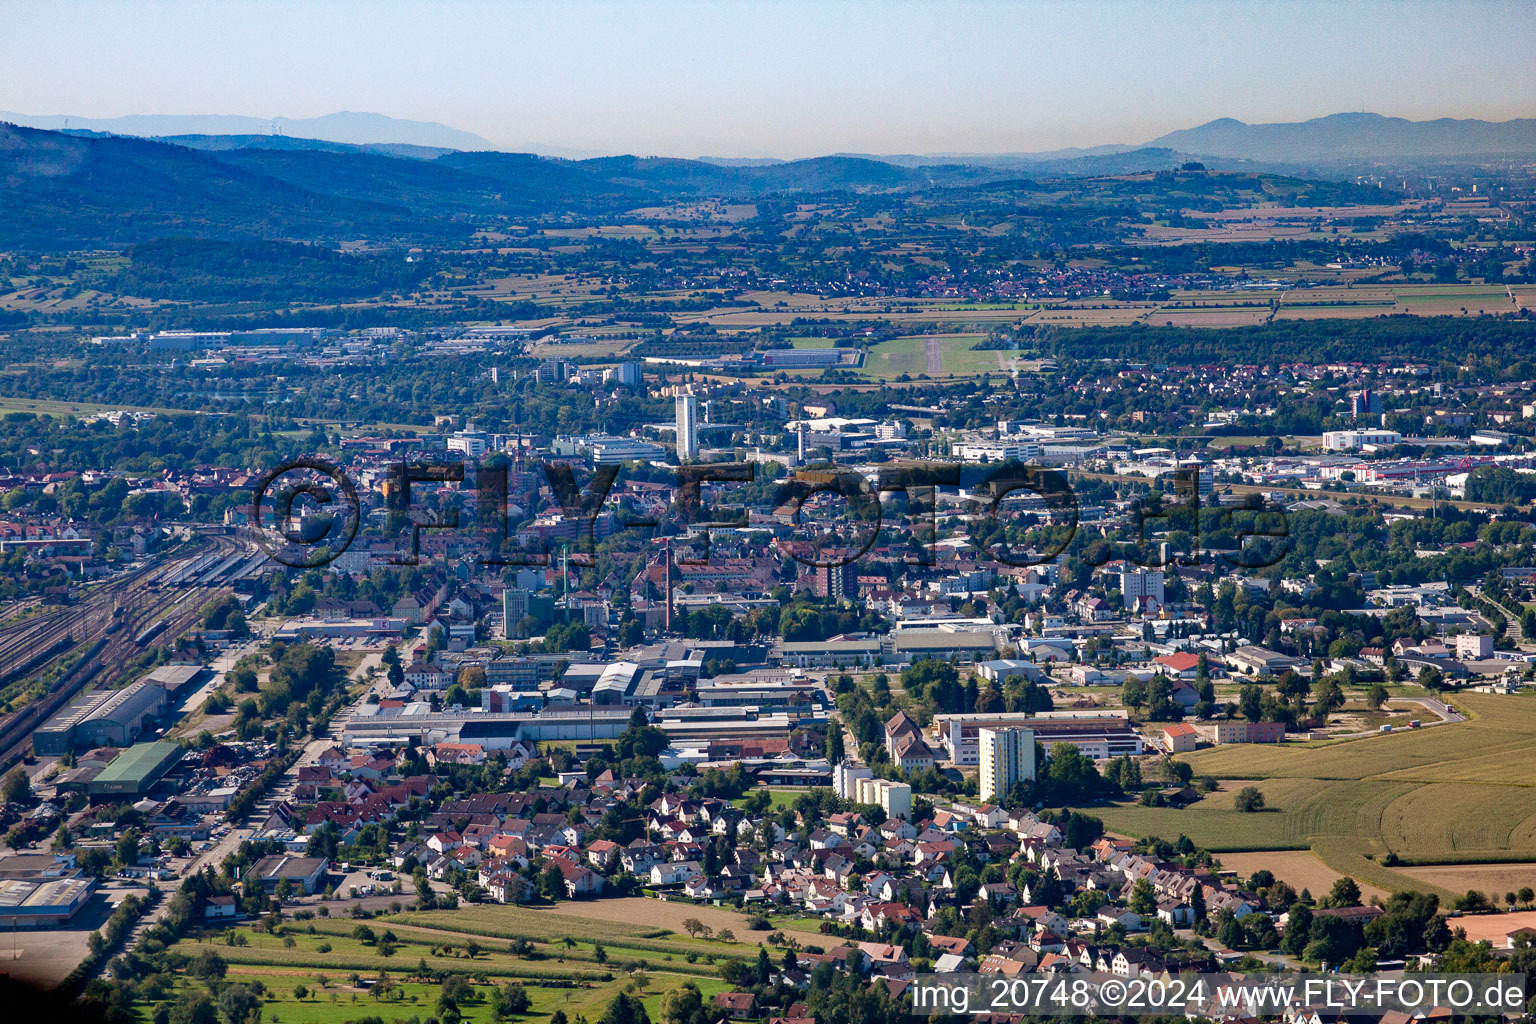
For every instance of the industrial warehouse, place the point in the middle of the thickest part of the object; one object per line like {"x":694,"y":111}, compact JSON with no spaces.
{"x":115,"y":718}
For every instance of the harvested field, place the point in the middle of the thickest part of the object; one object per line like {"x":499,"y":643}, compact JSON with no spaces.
{"x":1111,"y":316}
{"x":1304,"y":212}
{"x":1301,"y":869}
{"x":1494,"y":927}
{"x":1229,"y":317}
{"x":1460,"y":792}
{"x":1494,"y":879}
{"x":1359,"y":312}
{"x":1470,"y":300}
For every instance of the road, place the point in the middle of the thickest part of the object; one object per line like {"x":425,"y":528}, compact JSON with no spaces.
{"x":227,"y":844}
{"x":1441,"y":710}
{"x":1439,"y":707}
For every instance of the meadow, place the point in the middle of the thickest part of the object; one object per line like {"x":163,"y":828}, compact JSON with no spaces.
{"x":579,"y":956}
{"x":333,"y":999}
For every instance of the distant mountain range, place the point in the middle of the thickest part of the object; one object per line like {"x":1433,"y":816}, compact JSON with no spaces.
{"x":225,"y":143}
{"x":1357,"y":136}
{"x":346,"y":127}
{"x":1332,"y":139}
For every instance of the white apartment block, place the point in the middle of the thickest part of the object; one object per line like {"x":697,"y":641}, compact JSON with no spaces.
{"x":846,"y":776}
{"x":996,"y":451}
{"x":1138,"y":583}
{"x":1007,"y":757}
{"x":894,"y":798}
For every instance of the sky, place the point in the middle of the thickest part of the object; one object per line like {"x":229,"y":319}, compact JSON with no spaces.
{"x":785,"y":79}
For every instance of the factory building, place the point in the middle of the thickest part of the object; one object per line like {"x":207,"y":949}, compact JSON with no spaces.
{"x":1099,"y":735}
{"x":136,"y":771}
{"x":304,"y":874}
{"x":42,"y":902}
{"x":374,"y":724}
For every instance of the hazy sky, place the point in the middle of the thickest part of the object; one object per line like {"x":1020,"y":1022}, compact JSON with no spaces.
{"x":775,"y":78}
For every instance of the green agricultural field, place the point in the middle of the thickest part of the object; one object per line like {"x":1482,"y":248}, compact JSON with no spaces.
{"x":1448,"y":793}
{"x":1296,"y":810}
{"x":792,"y":922}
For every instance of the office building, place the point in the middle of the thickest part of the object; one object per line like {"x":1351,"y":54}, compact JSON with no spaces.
{"x":1007,"y":757}
{"x":1474,"y":646}
{"x":1364,"y":403}
{"x":801,"y":358}
{"x":611,"y":451}
{"x":996,"y":451}
{"x":1351,"y":440}
{"x":471,"y":442}
{"x":1205,"y":478}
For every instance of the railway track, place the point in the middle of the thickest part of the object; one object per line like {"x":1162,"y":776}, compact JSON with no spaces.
{"x":109,"y":623}
{"x":27,"y":646}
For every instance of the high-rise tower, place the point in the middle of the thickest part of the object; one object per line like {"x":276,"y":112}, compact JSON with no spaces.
{"x":687,"y":428}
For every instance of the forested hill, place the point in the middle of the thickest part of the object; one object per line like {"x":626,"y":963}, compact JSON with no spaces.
{"x":62,"y":191}
{"x":69,"y":191}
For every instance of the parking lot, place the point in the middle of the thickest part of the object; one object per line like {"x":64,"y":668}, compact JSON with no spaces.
{"x":368,"y":882}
